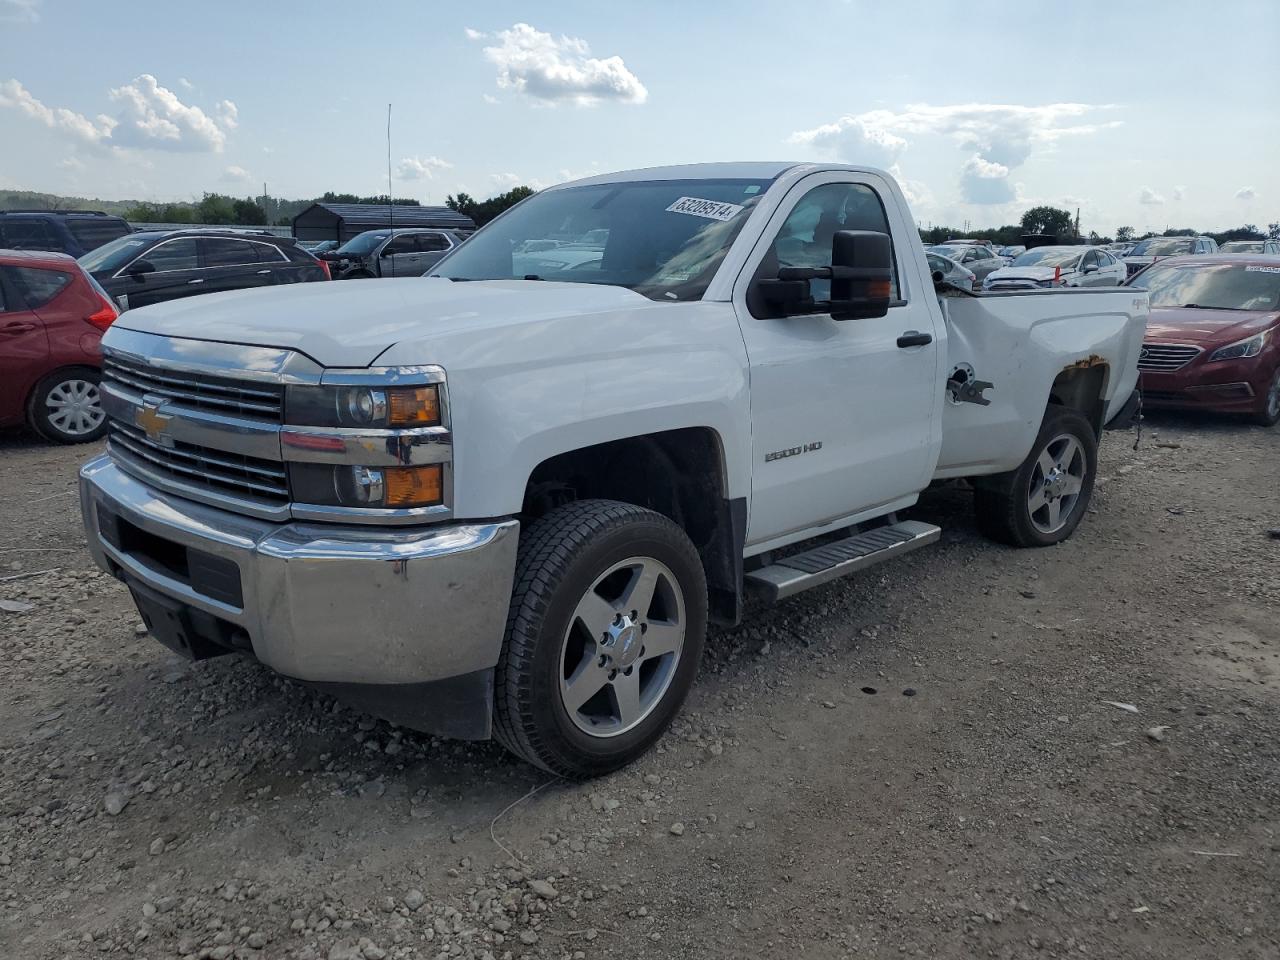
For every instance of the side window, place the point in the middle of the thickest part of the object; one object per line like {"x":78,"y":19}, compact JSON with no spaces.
{"x":406,"y":243}
{"x":28,"y":234}
{"x":37,"y":287}
{"x":1090,"y":260}
{"x":431,"y":242}
{"x":268,"y":253}
{"x":179,"y":254}
{"x":805,"y":237}
{"x":222,"y":252}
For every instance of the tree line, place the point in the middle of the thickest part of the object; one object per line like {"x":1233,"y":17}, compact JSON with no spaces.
{"x":1059,"y":223}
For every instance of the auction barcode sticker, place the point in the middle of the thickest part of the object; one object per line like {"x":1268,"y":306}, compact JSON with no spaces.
{"x":1262,"y":269}
{"x":710,"y":209}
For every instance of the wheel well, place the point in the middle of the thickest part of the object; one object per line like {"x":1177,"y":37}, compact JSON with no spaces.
{"x":678,"y":473}
{"x":1081,"y":387}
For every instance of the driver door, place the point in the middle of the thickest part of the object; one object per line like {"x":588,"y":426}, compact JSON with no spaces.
{"x":845,"y":419}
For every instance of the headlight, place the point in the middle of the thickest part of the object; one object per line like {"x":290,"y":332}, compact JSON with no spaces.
{"x":1241,"y":348}
{"x":360,"y":406}
{"x":339,"y":485}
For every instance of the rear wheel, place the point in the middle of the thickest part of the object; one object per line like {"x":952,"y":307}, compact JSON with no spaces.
{"x":66,"y":407}
{"x":1269,"y":414}
{"x":1043,"y":501}
{"x":606,"y":628}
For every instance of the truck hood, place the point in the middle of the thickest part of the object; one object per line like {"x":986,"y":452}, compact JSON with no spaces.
{"x":348,"y":323}
{"x":1183,"y":324}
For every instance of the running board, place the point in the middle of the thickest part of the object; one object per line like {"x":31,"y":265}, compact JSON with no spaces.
{"x":824,"y":564}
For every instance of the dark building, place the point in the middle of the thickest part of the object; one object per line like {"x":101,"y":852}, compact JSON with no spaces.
{"x":342,"y":221}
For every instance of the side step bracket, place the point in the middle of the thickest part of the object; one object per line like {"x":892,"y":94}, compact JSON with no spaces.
{"x":823,"y":564}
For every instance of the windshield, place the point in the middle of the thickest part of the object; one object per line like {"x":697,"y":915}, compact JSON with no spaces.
{"x":1047,"y":257}
{"x":1213,"y":286}
{"x":110,"y":257}
{"x":1163,"y":247}
{"x":1242,"y":246}
{"x":662,"y":238}
{"x":951,"y":253}
{"x":363,"y":243}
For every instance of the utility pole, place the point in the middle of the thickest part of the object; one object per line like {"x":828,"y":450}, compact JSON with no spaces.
{"x":1077,"y":223}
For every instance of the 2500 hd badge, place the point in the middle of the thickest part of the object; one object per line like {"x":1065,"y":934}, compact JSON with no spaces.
{"x":792,"y":451}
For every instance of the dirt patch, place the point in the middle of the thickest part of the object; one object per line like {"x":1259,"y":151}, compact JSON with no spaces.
{"x":158,"y":809}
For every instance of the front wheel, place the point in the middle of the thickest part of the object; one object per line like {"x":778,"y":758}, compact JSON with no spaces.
{"x":1269,"y":414}
{"x":604,"y":635}
{"x":1043,"y":501}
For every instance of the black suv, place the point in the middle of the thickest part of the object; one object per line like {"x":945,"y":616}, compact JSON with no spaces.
{"x":157,"y":265}
{"x":73,"y":232}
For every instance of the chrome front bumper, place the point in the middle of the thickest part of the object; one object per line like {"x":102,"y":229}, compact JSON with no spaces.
{"x":331,"y":604}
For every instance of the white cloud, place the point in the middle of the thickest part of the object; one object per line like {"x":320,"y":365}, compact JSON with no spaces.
{"x":506,"y":181}
{"x":74,"y":164}
{"x":1246,"y":193}
{"x":185,"y":84}
{"x":551,"y":70}
{"x":489,"y":98}
{"x":983,"y":181}
{"x":20,"y":11}
{"x":474,"y":34}
{"x":228,"y":114}
{"x":420,"y":168}
{"x":1179,"y":192}
{"x":149,"y":116}
{"x":1150,"y":197}
{"x":153,"y":116}
{"x":854,"y":140}
{"x":13,"y":94}
{"x":1000,"y":137}
{"x":234,"y":174}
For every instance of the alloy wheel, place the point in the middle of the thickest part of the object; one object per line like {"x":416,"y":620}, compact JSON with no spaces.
{"x":622,"y":647}
{"x":1056,"y":481}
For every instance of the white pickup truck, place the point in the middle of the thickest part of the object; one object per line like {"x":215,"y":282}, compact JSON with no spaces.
{"x":506,"y":499}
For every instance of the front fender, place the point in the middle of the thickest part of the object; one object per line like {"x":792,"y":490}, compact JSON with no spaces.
{"x":524,"y":393}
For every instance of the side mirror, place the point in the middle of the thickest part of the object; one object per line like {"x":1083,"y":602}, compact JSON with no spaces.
{"x":861,"y":272}
{"x":1090,"y":269}
{"x":939,"y":276}
{"x":139,"y":267}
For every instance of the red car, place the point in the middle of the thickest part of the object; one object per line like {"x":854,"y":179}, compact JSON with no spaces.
{"x":1213,"y":337}
{"x":52,"y":317}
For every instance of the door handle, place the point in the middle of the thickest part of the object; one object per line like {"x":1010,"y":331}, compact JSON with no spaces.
{"x":263,"y":273}
{"x":196,"y":280}
{"x":914,"y":338}
{"x":17,"y":326}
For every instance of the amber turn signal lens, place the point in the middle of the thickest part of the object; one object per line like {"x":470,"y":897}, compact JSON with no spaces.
{"x":414,"y":486}
{"x":413,"y":406}
{"x":878,"y":290}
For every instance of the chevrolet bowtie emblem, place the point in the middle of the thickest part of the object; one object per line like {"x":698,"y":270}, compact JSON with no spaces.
{"x":152,"y":422}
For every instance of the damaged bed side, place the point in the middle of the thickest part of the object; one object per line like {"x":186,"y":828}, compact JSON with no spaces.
{"x":1003,"y":349}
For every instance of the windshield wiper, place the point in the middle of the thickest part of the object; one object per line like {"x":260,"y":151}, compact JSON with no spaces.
{"x":1197,"y":306}
{"x":531,"y":276}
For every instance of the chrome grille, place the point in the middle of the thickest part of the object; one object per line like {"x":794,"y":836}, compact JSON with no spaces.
{"x":1165,"y":358}
{"x":199,"y":467}
{"x":246,"y":398}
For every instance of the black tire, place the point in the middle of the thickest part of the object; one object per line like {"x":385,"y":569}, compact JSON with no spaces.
{"x":46,"y":420}
{"x":1003,"y":502}
{"x":561,"y":557}
{"x":1268,"y":415}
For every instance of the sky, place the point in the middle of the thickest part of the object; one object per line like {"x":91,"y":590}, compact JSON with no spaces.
{"x":1146,"y":115}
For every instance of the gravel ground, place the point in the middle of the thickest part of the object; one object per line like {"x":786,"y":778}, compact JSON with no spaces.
{"x":917,"y":762}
